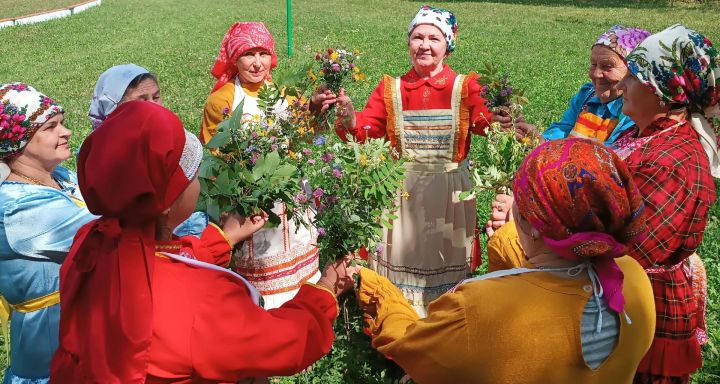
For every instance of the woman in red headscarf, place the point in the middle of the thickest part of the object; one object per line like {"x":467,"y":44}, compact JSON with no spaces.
{"x":277,"y":261}
{"x":137,"y":306}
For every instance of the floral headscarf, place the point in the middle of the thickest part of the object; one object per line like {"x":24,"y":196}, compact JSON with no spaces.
{"x":22,"y":111}
{"x":240,"y":38}
{"x":109,"y":90}
{"x":681,"y":67}
{"x":581,"y":197}
{"x":441,"y":18}
{"x":622,"y":40}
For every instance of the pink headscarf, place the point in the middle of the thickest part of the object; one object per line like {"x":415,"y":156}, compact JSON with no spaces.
{"x":240,"y":38}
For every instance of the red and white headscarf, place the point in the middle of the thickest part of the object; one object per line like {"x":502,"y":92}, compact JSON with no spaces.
{"x":240,"y":38}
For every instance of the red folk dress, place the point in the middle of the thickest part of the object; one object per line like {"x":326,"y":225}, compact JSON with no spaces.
{"x":434,"y":240}
{"x":672,"y":172}
{"x":209,"y":328}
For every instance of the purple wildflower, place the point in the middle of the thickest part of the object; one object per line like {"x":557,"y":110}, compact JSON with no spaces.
{"x":300,"y":198}
{"x":318,"y":193}
{"x":327,"y":157}
{"x":321,"y":231}
{"x":311,"y":161}
{"x":336,"y":67}
{"x":320,"y":140}
{"x":307,"y":152}
{"x":274,"y":147}
{"x":337,"y":173}
{"x":380,"y":248}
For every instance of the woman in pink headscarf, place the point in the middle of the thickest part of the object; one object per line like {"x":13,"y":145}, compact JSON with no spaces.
{"x":277,"y":261}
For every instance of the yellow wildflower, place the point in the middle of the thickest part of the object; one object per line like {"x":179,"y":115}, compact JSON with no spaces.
{"x":356,"y":77}
{"x":356,"y":69}
{"x":291,"y":154}
{"x":382,"y":157}
{"x":334,"y":56}
{"x":322,"y":73}
{"x":405,"y":195}
{"x":356,"y":52}
{"x":311,"y":74}
{"x":363,"y":159}
{"x":525,"y":140}
{"x":301,"y":130}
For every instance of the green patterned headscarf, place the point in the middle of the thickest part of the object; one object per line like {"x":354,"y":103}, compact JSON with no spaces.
{"x":681,"y":67}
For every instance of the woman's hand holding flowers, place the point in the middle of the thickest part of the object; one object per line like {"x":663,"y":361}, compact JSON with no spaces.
{"x":238,"y":228}
{"x":338,"y":276}
{"x":322,"y":100}
{"x":344,"y":110}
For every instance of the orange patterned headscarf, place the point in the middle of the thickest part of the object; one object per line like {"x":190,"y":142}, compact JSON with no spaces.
{"x":582,"y":198}
{"x":240,"y":38}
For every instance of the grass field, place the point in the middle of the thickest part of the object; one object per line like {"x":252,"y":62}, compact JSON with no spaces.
{"x":15,"y":8}
{"x":543,"y":45}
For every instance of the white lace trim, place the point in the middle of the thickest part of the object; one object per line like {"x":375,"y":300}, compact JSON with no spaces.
{"x":191,"y":156}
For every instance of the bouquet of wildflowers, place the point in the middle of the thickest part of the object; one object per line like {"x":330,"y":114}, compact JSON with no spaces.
{"x":252,"y":164}
{"x":337,"y":66}
{"x":356,"y":188}
{"x":249,"y":168}
{"x":500,"y":152}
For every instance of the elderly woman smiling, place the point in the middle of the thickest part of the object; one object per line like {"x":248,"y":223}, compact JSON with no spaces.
{"x":428,"y":114}
{"x":41,"y":209}
{"x":595,"y":112}
{"x":243,"y":65}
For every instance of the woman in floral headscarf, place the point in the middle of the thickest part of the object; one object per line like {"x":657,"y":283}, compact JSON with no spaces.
{"x":41,"y":209}
{"x":428,"y":114}
{"x":672,"y":93}
{"x":278,"y":261}
{"x":580,"y":312}
{"x":595,"y":112}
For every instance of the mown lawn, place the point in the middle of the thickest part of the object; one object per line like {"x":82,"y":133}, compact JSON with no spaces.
{"x":15,"y":8}
{"x":543,"y":45}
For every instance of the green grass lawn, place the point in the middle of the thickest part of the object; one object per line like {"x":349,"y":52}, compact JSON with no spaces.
{"x":543,"y":45}
{"x":15,"y":8}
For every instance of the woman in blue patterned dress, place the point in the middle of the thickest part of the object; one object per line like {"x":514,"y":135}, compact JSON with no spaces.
{"x":40,"y":211}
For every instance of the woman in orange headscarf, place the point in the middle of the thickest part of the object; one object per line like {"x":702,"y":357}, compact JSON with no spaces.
{"x":137,"y":306}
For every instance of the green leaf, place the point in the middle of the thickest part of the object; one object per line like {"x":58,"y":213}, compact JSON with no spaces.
{"x":221,"y":139}
{"x":272,"y":161}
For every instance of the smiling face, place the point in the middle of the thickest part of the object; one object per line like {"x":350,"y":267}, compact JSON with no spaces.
{"x":50,"y":145}
{"x":254,"y":66}
{"x":427,"y":48}
{"x":606,"y":71}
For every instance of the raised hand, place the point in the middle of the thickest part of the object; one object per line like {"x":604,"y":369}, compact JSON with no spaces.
{"x":338,"y":276}
{"x":501,"y":213}
{"x":345,"y":111}
{"x":322,"y":100}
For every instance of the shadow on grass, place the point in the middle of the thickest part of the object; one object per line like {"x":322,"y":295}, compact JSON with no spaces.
{"x":634,"y":4}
